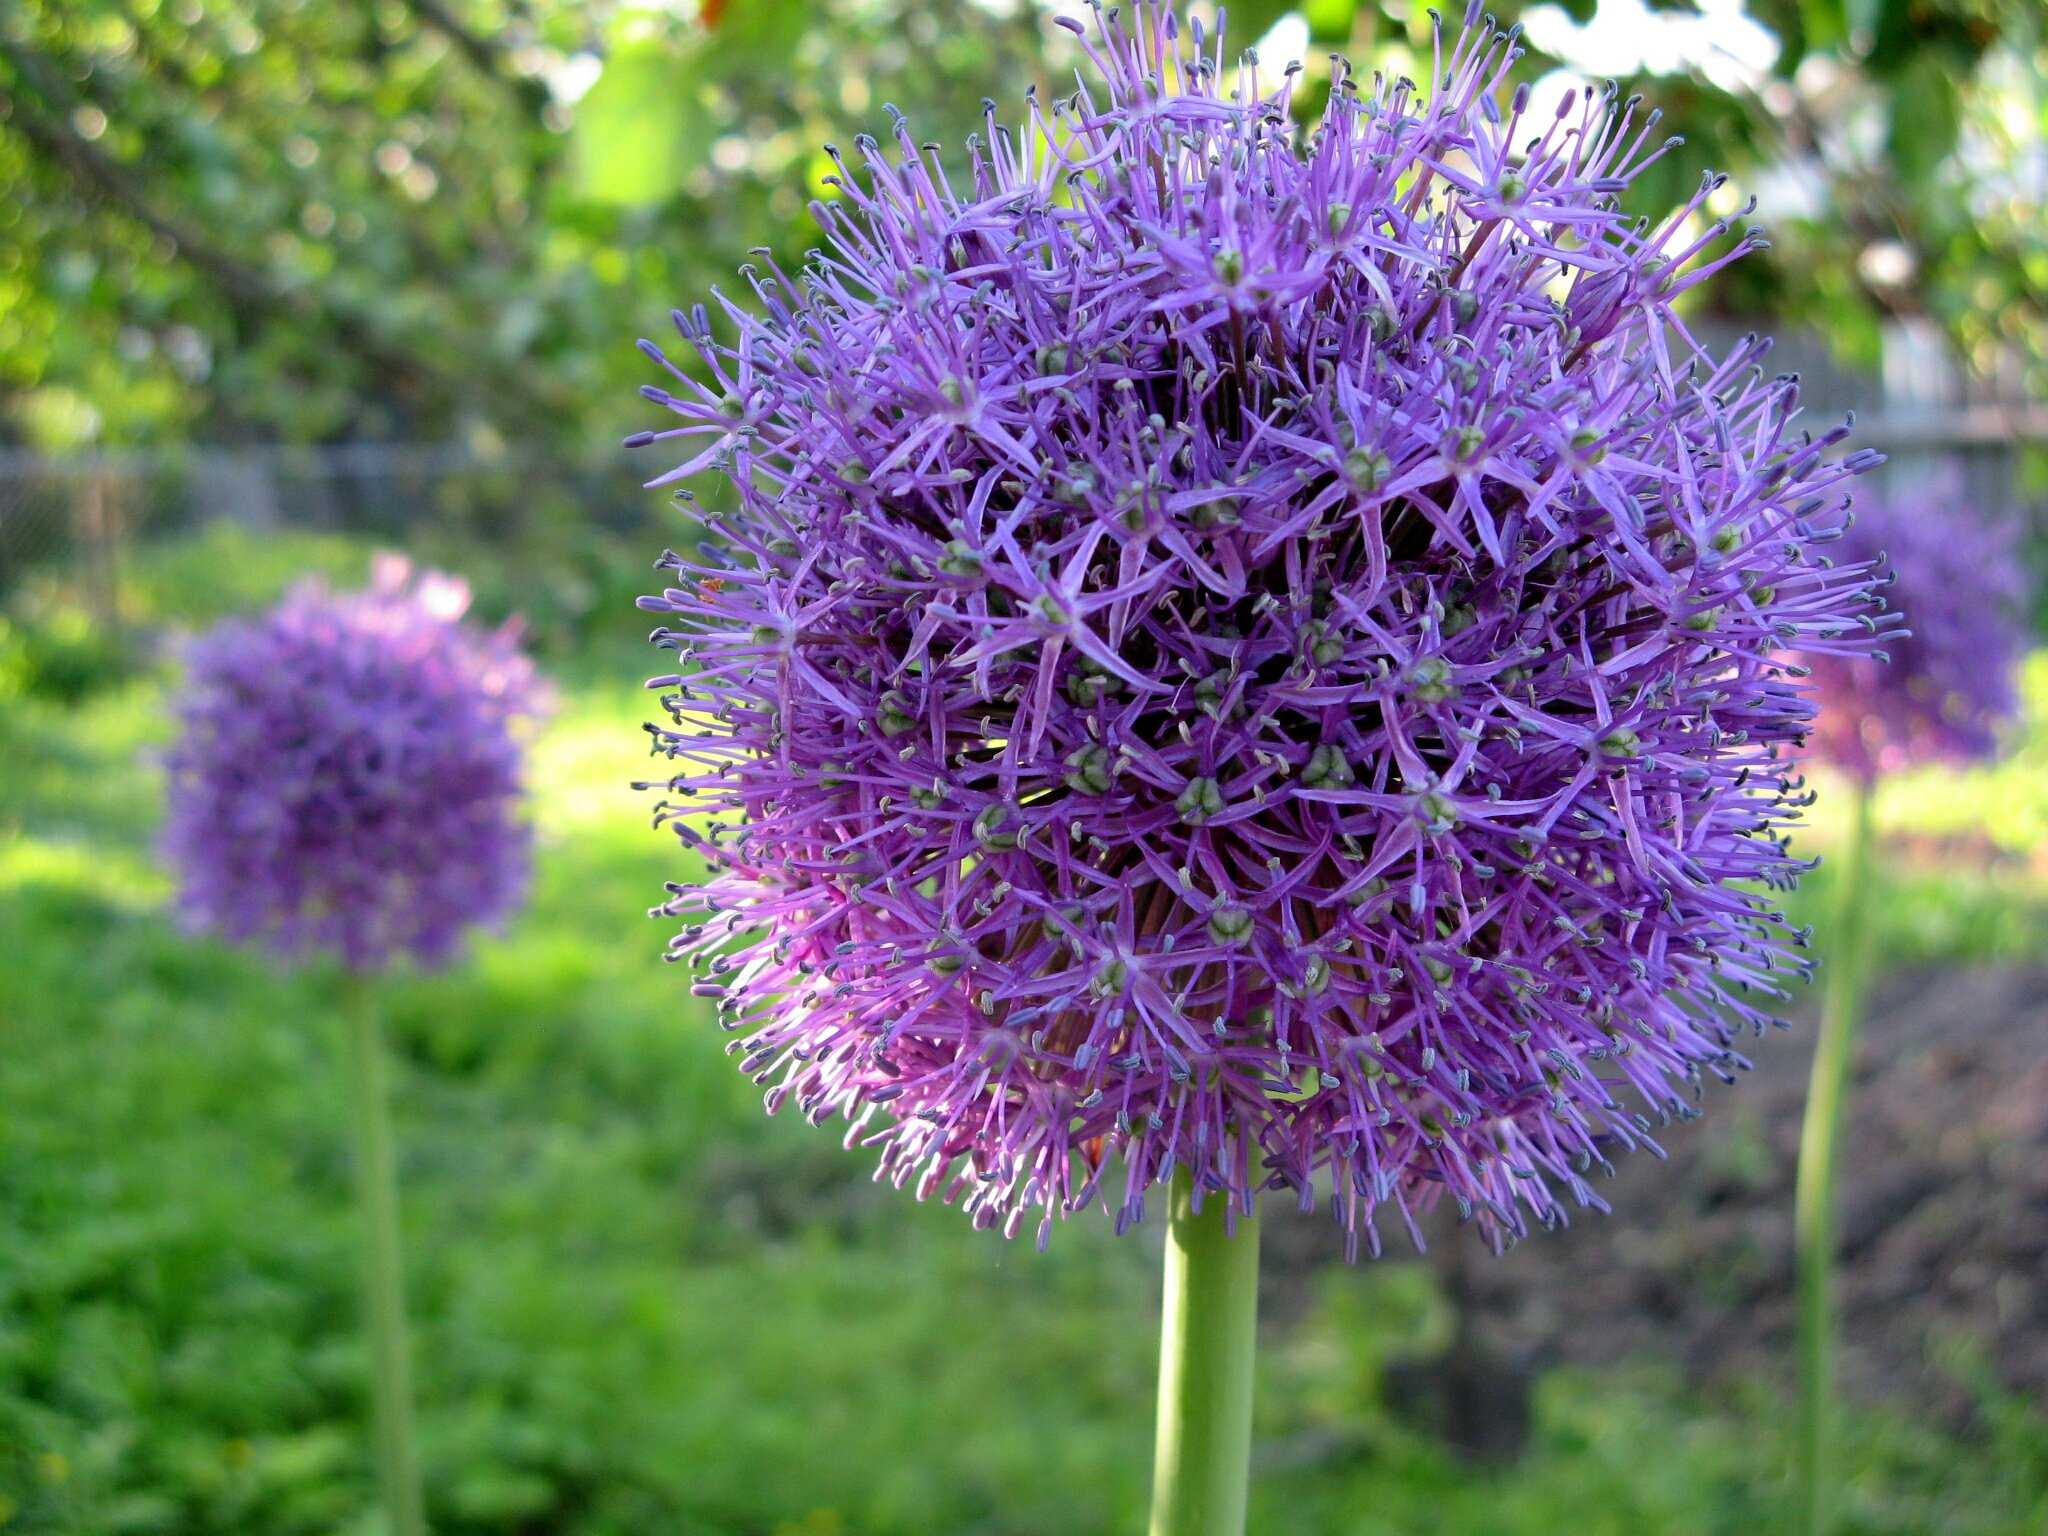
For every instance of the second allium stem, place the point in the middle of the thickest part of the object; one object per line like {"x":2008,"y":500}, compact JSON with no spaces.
{"x":1814,"y":1213}
{"x":398,"y":1475}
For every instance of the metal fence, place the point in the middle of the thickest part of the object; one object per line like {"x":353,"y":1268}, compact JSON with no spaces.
{"x":80,"y":520}
{"x":1925,"y":414}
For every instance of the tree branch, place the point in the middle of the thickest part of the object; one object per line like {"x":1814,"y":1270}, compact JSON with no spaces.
{"x":486,"y":55}
{"x":247,"y":285}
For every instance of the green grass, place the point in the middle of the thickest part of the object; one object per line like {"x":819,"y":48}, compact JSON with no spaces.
{"x":640,"y":1305}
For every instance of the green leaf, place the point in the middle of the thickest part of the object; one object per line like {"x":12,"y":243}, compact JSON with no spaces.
{"x":1825,"y":23}
{"x":760,"y":28}
{"x":642,"y":126}
{"x":1926,"y":117}
{"x":1246,"y":21}
{"x":1329,"y":21}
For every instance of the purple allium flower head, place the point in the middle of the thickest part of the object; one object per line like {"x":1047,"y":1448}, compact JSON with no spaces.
{"x":1948,"y":686}
{"x":347,"y":775}
{"x":1246,"y":649}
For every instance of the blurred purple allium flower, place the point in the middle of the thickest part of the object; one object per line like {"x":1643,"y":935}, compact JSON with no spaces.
{"x":348,"y":772}
{"x":1246,"y":649}
{"x":1949,"y":685}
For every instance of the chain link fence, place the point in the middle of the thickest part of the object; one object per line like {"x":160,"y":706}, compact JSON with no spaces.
{"x":80,"y":522}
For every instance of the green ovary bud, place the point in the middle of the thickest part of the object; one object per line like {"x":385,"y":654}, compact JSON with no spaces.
{"x":991,"y":828}
{"x":894,"y":715}
{"x":1202,"y":800}
{"x":1111,"y":980}
{"x":1327,"y":768}
{"x":1367,"y":470}
{"x":1085,"y":687}
{"x":1230,"y":925}
{"x":1430,"y":680}
{"x":1621,"y":742}
{"x":1088,"y":771}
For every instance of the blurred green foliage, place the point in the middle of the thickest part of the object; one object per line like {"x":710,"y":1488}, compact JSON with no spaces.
{"x":413,"y":219}
{"x":641,"y":1305}
{"x":447,"y":219}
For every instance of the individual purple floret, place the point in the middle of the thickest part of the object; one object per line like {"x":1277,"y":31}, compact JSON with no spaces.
{"x":1948,"y":687}
{"x":1246,"y":648}
{"x":348,"y":773}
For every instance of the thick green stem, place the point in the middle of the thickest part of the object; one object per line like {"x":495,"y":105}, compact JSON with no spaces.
{"x":398,"y":1473}
{"x":1202,"y":1465}
{"x":1814,"y":1212}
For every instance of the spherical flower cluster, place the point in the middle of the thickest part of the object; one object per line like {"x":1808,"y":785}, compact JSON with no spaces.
{"x":348,"y":773}
{"x":1247,"y":649}
{"x":1942,"y":692}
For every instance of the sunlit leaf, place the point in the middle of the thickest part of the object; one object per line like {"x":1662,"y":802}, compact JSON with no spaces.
{"x":1329,"y":21}
{"x":1926,"y":116}
{"x":1246,"y":21}
{"x":642,"y":126}
{"x":757,"y":28}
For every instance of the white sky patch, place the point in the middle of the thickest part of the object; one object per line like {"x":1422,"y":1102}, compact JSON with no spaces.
{"x":1545,"y":92}
{"x":1285,"y":42}
{"x":1722,"y":42}
{"x":569,"y":79}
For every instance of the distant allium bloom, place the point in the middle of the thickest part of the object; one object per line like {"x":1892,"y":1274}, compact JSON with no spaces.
{"x":1948,"y":686}
{"x":348,"y":776}
{"x":1246,"y":649}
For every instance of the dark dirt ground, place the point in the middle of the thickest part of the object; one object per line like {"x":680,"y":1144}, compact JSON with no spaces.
{"x":1943,"y":1221}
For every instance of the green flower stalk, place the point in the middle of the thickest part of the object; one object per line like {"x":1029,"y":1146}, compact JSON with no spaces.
{"x":398,"y":1473}
{"x":1814,"y":1218}
{"x":1202,"y":1458}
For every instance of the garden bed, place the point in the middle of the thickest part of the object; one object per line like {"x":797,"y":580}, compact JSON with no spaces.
{"x":1943,"y":1219}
